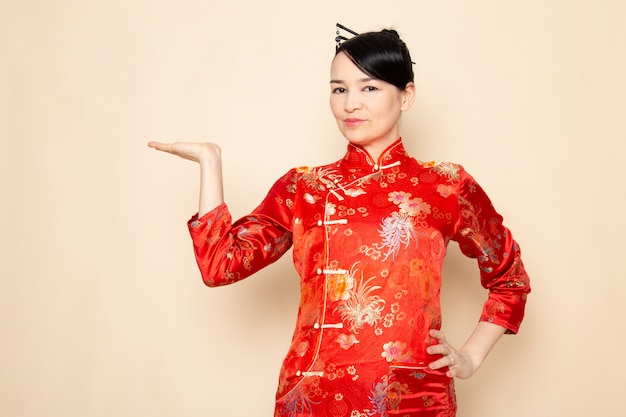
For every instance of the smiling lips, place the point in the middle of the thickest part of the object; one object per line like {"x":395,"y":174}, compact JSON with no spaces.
{"x":353,"y":122}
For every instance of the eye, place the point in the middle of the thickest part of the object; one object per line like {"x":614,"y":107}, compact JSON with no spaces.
{"x":339,"y":90}
{"x":370,"y":88}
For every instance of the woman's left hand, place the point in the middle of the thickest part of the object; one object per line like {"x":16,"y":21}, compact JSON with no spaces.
{"x":459,"y":363}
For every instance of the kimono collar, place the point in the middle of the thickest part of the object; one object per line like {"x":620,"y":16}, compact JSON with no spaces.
{"x":357,"y":157}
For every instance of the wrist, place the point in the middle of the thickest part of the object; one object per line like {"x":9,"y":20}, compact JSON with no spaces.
{"x":208,"y":153}
{"x":474,"y":360}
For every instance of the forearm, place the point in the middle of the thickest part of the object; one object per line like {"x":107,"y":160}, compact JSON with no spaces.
{"x":211,"y":184}
{"x":481,"y":342}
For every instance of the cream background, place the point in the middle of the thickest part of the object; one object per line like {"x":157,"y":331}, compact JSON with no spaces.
{"x":102,"y":310}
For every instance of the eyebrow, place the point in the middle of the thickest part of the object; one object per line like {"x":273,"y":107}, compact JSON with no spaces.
{"x":363,"y":80}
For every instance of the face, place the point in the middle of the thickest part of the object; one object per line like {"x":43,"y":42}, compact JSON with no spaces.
{"x":367,"y":110}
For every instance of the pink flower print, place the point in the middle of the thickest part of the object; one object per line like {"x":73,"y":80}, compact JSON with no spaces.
{"x":346,"y":341}
{"x":398,"y":197}
{"x":394,"y":351}
{"x":414,"y":207}
{"x":445,"y":190}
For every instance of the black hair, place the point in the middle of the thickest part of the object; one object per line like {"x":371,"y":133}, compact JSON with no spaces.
{"x":381,"y":55}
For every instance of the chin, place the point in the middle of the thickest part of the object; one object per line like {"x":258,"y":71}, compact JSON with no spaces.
{"x":355,"y":138}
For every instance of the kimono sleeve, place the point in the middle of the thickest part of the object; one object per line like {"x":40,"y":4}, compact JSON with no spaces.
{"x":228,"y":252}
{"x":481,"y":234}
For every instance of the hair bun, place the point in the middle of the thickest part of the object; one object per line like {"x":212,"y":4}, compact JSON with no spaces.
{"x":391,"y":32}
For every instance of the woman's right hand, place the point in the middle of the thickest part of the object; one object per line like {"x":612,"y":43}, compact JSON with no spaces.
{"x":193,"y":151}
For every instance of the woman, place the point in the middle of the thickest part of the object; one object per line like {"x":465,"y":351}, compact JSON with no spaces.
{"x":369,"y":234}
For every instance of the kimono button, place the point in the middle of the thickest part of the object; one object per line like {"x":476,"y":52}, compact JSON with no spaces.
{"x":298,"y":373}
{"x":319,"y":222}
{"x":319,"y":271}
{"x":316,"y":326}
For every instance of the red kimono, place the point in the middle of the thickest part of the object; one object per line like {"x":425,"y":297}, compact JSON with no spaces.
{"x":369,"y":238}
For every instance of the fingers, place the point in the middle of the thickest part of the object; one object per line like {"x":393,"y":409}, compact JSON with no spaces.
{"x":447,"y":361}
{"x":438,"y":334}
{"x":166,"y":147}
{"x":457,"y":363}
{"x":447,"y":353}
{"x":438,"y":350}
{"x":452,"y":362}
{"x":203,"y":153}
{"x":444,"y":349}
{"x":182,"y":149}
{"x":453,"y":371}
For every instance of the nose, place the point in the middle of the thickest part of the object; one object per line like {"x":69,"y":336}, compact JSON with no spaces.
{"x":353,"y":102}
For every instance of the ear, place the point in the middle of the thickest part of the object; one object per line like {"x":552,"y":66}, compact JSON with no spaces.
{"x":408,"y":96}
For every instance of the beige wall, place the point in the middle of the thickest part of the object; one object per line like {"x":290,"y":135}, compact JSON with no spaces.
{"x":102,"y":311}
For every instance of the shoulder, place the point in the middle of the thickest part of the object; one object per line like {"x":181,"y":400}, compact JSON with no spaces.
{"x":450,"y":172}
{"x":306,"y":172}
{"x":444,"y":168}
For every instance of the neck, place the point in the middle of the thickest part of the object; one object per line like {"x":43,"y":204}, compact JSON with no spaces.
{"x":374,"y":154}
{"x":375,"y":150}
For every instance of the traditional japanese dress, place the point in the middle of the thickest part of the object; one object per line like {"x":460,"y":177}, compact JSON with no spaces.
{"x":369,"y":239}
